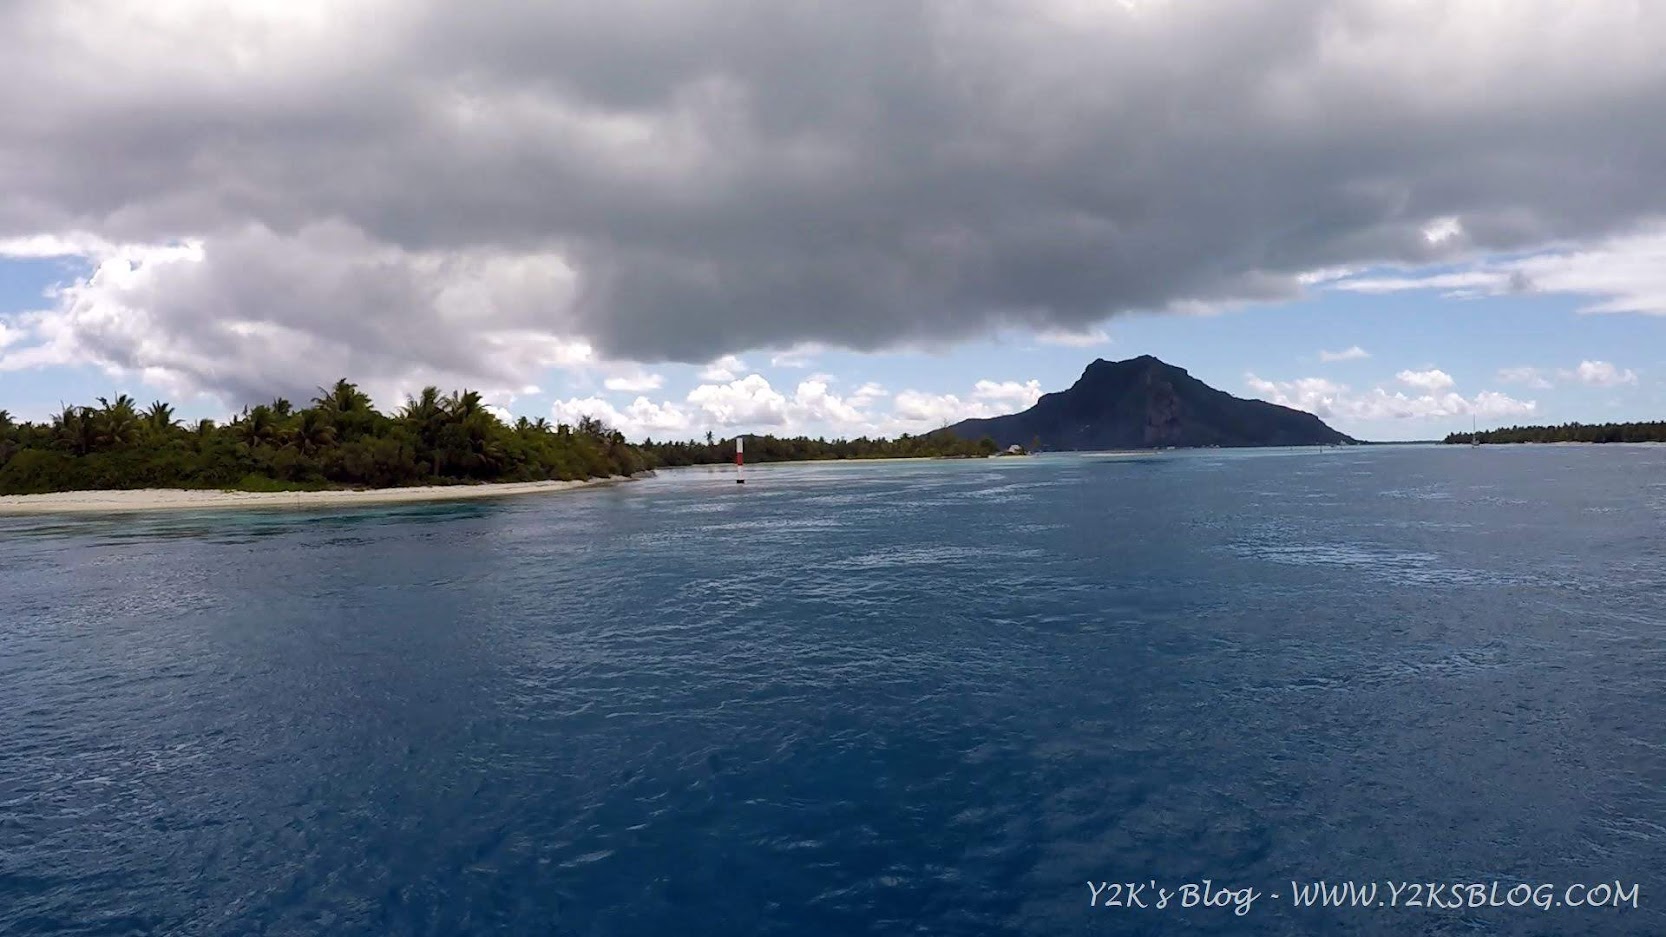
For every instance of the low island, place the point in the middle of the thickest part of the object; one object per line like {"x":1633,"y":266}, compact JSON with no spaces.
{"x":341,"y":450}
{"x":1566,"y":432}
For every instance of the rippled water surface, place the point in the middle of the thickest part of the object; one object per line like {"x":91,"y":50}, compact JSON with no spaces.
{"x":927,"y":698}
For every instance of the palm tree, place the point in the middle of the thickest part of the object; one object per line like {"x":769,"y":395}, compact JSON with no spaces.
{"x":341,"y":397}
{"x":5,"y":422}
{"x":257,"y":426}
{"x":426,"y":414}
{"x":313,"y":432}
{"x":75,"y":429}
{"x":349,"y":410}
{"x":118,"y":421}
{"x":160,"y":417}
{"x":465,"y":404}
{"x":282,"y":408}
{"x":424,"y":410}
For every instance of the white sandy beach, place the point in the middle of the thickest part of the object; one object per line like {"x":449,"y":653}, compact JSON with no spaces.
{"x":172,"y":499}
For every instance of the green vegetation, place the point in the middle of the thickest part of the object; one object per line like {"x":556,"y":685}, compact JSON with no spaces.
{"x":939,"y":444}
{"x":341,"y":441}
{"x":1569,"y":432}
{"x":338,"y":441}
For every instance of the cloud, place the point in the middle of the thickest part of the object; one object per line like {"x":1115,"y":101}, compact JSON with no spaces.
{"x":800,"y":357}
{"x":1461,"y":283}
{"x":1332,"y":401}
{"x":814,"y":404}
{"x":1083,"y":338}
{"x":1624,"y":274}
{"x":723,"y":369}
{"x":400,"y":190}
{"x":1532,"y":377}
{"x":1594,"y":373}
{"x":916,"y":411}
{"x":752,"y":403}
{"x":1313,"y":394}
{"x":54,"y":246}
{"x":868,"y":393}
{"x":1601,"y":374}
{"x":750,"y":400}
{"x":1493,"y":405}
{"x":1442,"y":229}
{"x":1351,"y":353}
{"x":635,"y":383}
{"x":263,"y":316}
{"x":1012,"y":394}
{"x":1431,"y":380}
{"x":641,"y":419}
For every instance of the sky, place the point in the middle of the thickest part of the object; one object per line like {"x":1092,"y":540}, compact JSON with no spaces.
{"x":842,"y":218}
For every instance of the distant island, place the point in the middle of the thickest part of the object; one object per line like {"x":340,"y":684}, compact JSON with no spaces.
{"x":340,"y":441}
{"x":1145,"y":403}
{"x":1567,"y":432}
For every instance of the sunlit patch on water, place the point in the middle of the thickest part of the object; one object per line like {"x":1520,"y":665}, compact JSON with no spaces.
{"x":929,"y":556}
{"x":1423,"y":493}
{"x":1410,"y":567}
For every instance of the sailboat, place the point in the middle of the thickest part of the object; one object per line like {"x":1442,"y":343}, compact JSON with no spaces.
{"x":1474,"y":437}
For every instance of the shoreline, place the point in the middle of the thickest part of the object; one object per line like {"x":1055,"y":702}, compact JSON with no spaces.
{"x":195,"y":499}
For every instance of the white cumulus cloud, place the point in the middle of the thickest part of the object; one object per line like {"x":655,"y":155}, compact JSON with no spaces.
{"x":1601,"y":374}
{"x":749,"y":400}
{"x":869,"y":392}
{"x":1432,"y":380}
{"x":1331,"y":400}
{"x":634,"y":383}
{"x":752,"y":403}
{"x":726,"y":368}
{"x":1014,"y":394}
{"x":1351,"y":353}
{"x":640,"y":419}
{"x":1530,"y":376}
{"x":916,"y":411}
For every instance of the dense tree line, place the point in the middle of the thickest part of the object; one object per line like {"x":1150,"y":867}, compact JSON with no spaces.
{"x":340,"y":440}
{"x":939,"y":444}
{"x":1569,"y":432}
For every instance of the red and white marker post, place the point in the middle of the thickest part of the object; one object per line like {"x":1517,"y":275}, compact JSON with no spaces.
{"x":740,"y":460}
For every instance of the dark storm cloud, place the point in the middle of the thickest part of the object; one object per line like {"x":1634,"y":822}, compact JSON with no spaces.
{"x":733,"y":175}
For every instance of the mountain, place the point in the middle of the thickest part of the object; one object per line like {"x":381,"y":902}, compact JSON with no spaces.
{"x":1144,"y":403}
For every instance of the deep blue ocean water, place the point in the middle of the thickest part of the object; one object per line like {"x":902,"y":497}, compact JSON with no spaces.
{"x":899,"y":698}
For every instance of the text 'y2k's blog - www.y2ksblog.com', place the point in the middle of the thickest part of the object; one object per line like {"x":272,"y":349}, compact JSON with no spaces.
{"x":1434,"y":896}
